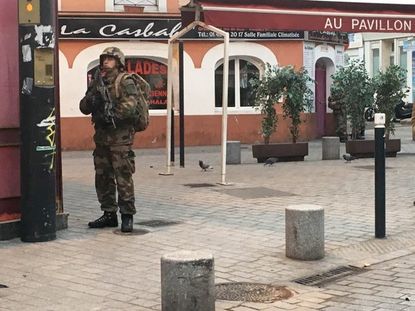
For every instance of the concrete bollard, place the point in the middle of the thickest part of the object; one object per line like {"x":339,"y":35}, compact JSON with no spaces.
{"x":233,"y":152}
{"x":304,"y":232}
{"x":331,"y":148}
{"x":187,"y":282}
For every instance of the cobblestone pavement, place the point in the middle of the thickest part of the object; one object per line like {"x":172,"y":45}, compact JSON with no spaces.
{"x":241,"y":224}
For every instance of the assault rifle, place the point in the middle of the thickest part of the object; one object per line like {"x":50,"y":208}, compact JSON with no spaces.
{"x":106,"y":96}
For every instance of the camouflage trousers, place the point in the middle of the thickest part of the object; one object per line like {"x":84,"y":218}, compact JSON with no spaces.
{"x":341,"y":127}
{"x":114,"y":167}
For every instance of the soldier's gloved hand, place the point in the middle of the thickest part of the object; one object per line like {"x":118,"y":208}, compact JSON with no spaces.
{"x":93,"y":98}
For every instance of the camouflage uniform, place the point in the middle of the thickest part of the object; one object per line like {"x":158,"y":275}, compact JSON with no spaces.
{"x":339,"y":113}
{"x":113,"y":155}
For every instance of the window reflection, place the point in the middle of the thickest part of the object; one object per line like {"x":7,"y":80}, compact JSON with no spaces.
{"x":240,"y":93}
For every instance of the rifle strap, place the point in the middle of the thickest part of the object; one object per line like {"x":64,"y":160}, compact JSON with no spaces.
{"x":117,"y":83}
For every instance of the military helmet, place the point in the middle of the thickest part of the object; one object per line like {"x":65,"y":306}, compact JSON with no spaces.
{"x":114,"y":52}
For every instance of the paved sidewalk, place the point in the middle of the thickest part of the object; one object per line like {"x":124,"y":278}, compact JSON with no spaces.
{"x":241,"y":224}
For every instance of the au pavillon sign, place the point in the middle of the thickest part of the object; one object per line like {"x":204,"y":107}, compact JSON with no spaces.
{"x":104,"y":28}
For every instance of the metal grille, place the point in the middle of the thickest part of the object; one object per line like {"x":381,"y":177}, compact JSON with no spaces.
{"x":134,"y":232}
{"x":157,"y":223}
{"x":136,"y":2}
{"x":251,"y":292}
{"x":201,"y":185}
{"x":335,"y":274}
{"x":255,"y":193}
{"x":370,"y":167}
{"x":149,"y":5}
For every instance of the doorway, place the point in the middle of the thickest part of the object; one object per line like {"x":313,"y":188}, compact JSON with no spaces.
{"x":323,"y":69}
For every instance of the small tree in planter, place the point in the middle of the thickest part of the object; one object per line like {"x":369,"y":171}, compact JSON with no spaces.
{"x":354,"y":88}
{"x":290,"y":85}
{"x":298,"y":98}
{"x":268,"y":90}
{"x":390,"y":88}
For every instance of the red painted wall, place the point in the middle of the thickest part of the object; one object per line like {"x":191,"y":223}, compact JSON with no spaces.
{"x":199,"y":131}
{"x":9,"y":113}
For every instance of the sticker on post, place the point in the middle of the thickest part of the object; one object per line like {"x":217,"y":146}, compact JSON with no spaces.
{"x":379,"y":119}
{"x":26,"y":53}
{"x":27,"y":86}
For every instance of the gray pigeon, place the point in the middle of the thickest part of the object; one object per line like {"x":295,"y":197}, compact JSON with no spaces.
{"x":349,"y":158}
{"x":270,"y":161}
{"x":205,"y":166}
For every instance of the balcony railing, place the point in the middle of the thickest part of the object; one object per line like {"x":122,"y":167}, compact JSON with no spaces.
{"x":149,"y":5}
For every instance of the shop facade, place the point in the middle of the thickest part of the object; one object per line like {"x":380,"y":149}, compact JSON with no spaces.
{"x":143,"y":39}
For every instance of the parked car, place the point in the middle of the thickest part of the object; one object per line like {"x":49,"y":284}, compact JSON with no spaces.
{"x":402,"y":111}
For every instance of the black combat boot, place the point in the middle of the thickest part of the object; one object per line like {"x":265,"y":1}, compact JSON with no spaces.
{"x":127,"y":223}
{"x":109,"y":219}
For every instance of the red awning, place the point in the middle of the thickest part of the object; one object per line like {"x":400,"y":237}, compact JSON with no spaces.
{"x":308,"y":15}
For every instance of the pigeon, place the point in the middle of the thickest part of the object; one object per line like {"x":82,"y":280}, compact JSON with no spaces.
{"x":270,"y":161}
{"x":349,"y":158}
{"x":205,"y":166}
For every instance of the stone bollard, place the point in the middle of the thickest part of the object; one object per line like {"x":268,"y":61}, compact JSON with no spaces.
{"x":233,"y":152}
{"x":304,"y":232}
{"x":187,"y":281}
{"x":331,"y":148}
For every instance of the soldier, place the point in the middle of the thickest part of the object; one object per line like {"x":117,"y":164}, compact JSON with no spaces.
{"x":114,"y":135}
{"x":340,"y":116}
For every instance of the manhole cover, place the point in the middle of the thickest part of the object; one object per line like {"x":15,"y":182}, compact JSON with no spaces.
{"x":157,"y":223}
{"x":329,"y":276}
{"x":200,"y":185}
{"x":251,"y":292}
{"x":135,"y":232}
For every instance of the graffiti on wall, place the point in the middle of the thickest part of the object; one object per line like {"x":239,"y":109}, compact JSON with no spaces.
{"x":50,"y":146}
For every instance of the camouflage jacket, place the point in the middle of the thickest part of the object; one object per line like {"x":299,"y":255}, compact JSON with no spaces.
{"x":124,"y":108}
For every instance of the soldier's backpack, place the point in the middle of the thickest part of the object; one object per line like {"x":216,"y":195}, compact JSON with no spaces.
{"x":141,"y":120}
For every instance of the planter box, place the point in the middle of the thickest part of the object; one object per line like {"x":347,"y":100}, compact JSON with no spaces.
{"x":366,"y":148}
{"x":283,"y":151}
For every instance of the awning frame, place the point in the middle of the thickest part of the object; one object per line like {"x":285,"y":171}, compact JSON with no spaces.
{"x":225,"y":83}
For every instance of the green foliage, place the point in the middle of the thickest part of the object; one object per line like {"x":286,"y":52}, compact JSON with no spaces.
{"x":353,"y":88}
{"x":278,"y":83}
{"x":268,"y":91}
{"x":390,"y":88}
{"x":298,"y":98}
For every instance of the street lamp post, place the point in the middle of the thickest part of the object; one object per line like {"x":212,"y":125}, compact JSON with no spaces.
{"x":380,"y":175}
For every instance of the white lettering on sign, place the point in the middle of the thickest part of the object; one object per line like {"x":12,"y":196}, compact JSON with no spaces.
{"x":111,"y":30}
{"x":369,"y":24}
{"x":333,"y":23}
{"x":75,"y":32}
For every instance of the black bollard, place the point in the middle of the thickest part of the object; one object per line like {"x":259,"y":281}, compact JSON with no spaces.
{"x":380,"y":175}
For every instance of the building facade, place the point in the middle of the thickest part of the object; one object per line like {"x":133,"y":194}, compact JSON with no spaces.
{"x":143,"y":38}
{"x":380,"y":50}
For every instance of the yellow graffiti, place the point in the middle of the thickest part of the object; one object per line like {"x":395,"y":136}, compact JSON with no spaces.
{"x":49,"y":123}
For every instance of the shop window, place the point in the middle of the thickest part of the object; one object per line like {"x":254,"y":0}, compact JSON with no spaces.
{"x":240,"y":93}
{"x":155,"y":73}
{"x":375,"y":61}
{"x":402,"y":58}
